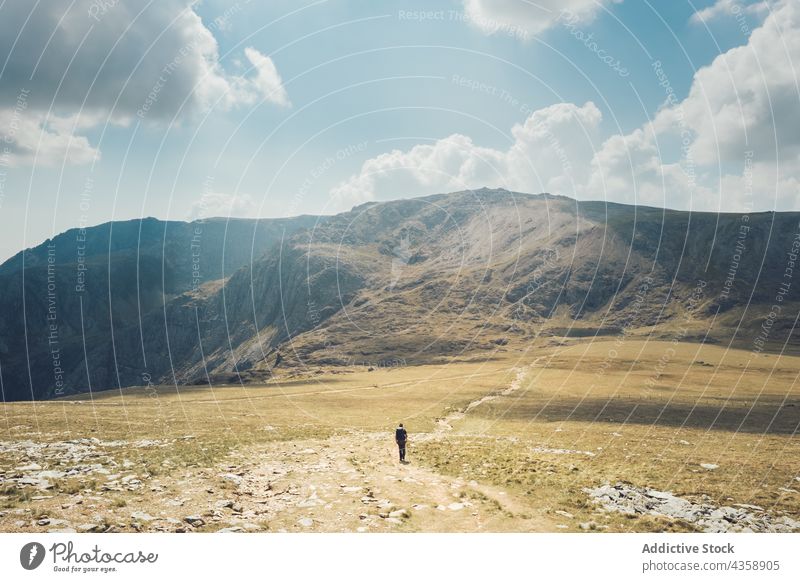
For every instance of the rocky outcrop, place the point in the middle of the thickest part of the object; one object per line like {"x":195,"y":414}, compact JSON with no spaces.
{"x":704,"y":515}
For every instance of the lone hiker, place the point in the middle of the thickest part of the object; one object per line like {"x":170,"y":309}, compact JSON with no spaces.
{"x":400,"y":437}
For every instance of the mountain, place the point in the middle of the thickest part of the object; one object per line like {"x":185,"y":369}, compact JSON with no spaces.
{"x":464,"y":274}
{"x":74,"y":298}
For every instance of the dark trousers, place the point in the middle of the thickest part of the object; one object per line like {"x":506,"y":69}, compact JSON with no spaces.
{"x":402,"y":446}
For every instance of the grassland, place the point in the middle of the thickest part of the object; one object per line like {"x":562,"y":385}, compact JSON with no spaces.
{"x":510,"y":443}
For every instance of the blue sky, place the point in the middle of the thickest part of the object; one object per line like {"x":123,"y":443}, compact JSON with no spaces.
{"x":288,"y":108}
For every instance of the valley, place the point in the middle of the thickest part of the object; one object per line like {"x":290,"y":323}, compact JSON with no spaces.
{"x":539,"y":437}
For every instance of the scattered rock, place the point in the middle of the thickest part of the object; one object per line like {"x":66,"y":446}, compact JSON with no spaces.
{"x":709,"y":466}
{"x":230,"y":477}
{"x":707,"y":516}
{"x":564,"y":514}
{"x":305,"y":522}
{"x":36,"y":482}
{"x":141,"y":516}
{"x":400,"y":513}
{"x":194,"y":520}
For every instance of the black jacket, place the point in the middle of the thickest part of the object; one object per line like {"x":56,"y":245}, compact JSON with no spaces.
{"x":400,"y":435}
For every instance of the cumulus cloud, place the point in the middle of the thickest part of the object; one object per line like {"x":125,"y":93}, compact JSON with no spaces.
{"x":633,"y":169}
{"x":738,"y":131}
{"x":28,"y":138}
{"x":748,"y":97}
{"x":732,"y":143}
{"x":266,"y":82}
{"x":86,"y":63}
{"x":731,"y":8}
{"x":527,"y":16}
{"x":548,"y":152}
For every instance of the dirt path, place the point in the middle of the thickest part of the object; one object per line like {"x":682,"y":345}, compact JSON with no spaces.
{"x":445,"y":424}
{"x":351,"y":482}
{"x":354,"y":482}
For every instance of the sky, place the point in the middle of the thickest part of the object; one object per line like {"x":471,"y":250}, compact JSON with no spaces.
{"x":183,"y":110}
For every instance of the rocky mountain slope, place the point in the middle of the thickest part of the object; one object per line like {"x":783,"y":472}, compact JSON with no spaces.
{"x":409,"y":281}
{"x":71,"y":305}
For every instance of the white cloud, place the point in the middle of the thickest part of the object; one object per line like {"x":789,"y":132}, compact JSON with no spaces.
{"x":748,"y":97}
{"x":731,"y":8}
{"x":733,"y":143}
{"x":550,"y":151}
{"x":266,"y":82}
{"x":740,"y":125}
{"x":28,"y":138}
{"x":527,"y":16}
{"x":84,"y":66}
{"x":631,"y":169}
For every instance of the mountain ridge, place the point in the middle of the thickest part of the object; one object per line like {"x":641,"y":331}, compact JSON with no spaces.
{"x":418,"y":280}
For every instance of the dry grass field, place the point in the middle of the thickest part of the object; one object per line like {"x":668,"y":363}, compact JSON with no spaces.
{"x":690,"y":437}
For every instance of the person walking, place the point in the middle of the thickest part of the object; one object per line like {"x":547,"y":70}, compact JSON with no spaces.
{"x":400,"y":437}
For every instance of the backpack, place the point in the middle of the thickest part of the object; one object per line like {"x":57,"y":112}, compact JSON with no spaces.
{"x":400,"y":434}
